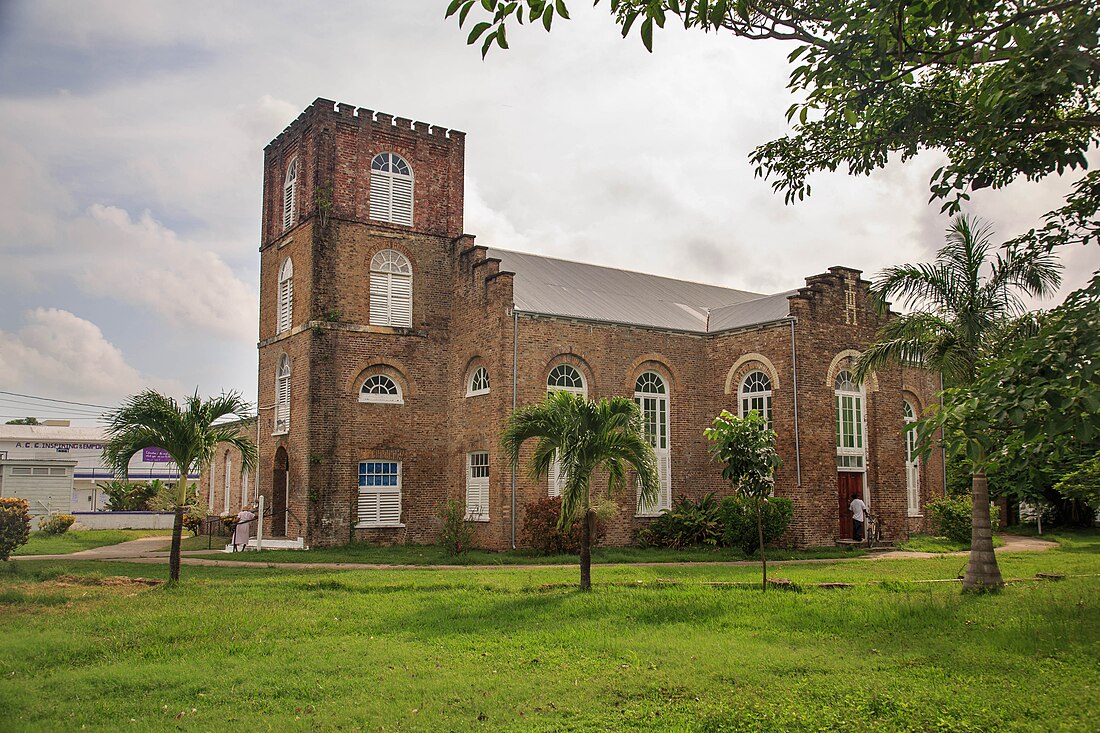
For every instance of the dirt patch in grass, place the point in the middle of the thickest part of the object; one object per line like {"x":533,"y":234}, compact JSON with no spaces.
{"x":114,"y":581}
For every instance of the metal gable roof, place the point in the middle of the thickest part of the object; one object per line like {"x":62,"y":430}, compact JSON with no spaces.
{"x":550,"y":286}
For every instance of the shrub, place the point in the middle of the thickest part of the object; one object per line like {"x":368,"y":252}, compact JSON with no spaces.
{"x":55,"y":524}
{"x":687,"y":524}
{"x":951,"y":517}
{"x":15,"y":525}
{"x":126,"y":496}
{"x":456,"y":535}
{"x":540,"y":529}
{"x":193,"y":518}
{"x":738,"y":516}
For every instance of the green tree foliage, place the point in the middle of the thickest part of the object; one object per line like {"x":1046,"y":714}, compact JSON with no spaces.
{"x":747,"y":448}
{"x":129,"y":496}
{"x":1004,"y":89}
{"x":739,"y":522}
{"x":15,"y":525}
{"x":963,"y":309}
{"x":687,"y":524}
{"x":188,"y":433}
{"x":23,"y":421}
{"x":584,"y":435}
{"x":1083,"y":483}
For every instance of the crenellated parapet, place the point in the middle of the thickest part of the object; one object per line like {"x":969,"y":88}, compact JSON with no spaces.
{"x":326,"y":109}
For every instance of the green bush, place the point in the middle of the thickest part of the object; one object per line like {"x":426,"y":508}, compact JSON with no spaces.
{"x":540,"y":529}
{"x":55,"y":524}
{"x":127,"y":496}
{"x":739,"y":520}
{"x":687,"y":524}
{"x":15,"y":525}
{"x":457,"y":534}
{"x":951,"y":517}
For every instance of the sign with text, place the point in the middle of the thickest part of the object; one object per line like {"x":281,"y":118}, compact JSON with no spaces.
{"x":155,"y":455}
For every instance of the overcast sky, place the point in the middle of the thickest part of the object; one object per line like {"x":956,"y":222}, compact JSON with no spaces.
{"x":132,"y":135}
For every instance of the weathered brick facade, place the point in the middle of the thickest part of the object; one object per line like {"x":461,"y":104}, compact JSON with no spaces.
{"x":463,"y":317}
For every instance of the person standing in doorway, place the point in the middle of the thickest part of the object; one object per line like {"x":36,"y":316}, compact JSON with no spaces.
{"x":859,"y":511}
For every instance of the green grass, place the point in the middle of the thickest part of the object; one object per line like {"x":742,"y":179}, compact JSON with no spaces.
{"x":434,"y":555}
{"x":653,"y":648}
{"x":77,"y":540}
{"x":930,"y":543}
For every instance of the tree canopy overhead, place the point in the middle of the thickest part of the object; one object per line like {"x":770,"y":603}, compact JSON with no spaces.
{"x":1006,"y":89}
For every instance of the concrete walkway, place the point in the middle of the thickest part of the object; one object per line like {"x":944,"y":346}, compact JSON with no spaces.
{"x":151,"y":550}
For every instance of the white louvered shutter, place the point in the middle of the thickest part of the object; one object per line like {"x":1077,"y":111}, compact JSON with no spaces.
{"x":286,"y":304}
{"x":664,"y":470}
{"x":401,"y":301}
{"x":289,"y":195}
{"x":554,"y":478}
{"x":477,"y":486}
{"x":381,"y":195}
{"x":282,"y":403}
{"x":401,"y":206}
{"x":380,"y":299}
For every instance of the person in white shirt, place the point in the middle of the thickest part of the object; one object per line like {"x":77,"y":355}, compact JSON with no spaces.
{"x":859,"y":514}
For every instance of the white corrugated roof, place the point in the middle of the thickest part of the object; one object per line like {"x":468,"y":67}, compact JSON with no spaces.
{"x":51,"y":432}
{"x":550,"y":286}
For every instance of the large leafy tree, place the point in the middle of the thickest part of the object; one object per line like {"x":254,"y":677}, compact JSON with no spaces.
{"x":747,"y":448}
{"x":584,"y":435}
{"x":189,"y":433}
{"x":962,"y":310}
{"x":1003,"y":88}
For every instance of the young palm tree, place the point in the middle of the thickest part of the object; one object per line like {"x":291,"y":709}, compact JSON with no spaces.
{"x":187,"y":434}
{"x":964,"y":307}
{"x":584,"y":435}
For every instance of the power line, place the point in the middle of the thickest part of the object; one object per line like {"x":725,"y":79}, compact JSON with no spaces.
{"x":52,"y":399}
{"x":19,"y":404}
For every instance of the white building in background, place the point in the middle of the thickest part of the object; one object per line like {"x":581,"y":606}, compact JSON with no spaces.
{"x":56,"y":466}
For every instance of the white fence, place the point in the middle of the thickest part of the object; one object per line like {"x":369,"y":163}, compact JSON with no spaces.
{"x":123,"y":520}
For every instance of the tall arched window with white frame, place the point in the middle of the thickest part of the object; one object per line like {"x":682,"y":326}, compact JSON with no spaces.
{"x":290,"y":194}
{"x":562,"y":378}
{"x":282,"y":396}
{"x":390,"y":289}
{"x":850,"y":423}
{"x":755,"y":393}
{"x":651,"y":394}
{"x":391,"y":189}
{"x":912,"y":459}
{"x":228,"y":480}
{"x":285,"y":305}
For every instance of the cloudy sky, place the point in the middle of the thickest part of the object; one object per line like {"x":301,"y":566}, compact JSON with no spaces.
{"x":131,"y":138}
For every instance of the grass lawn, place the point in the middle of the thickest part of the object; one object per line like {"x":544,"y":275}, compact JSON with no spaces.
{"x":931,"y":543}
{"x":76,"y":540}
{"x":672,"y":648}
{"x":434,"y":555}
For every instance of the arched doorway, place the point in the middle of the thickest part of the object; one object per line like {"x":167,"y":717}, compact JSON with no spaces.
{"x":278,"y":493}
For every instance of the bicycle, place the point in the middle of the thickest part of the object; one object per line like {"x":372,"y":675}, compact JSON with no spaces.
{"x":872,"y":531}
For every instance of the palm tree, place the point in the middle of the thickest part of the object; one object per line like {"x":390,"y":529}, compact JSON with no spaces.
{"x":963,"y":308}
{"x":187,"y":434}
{"x":583,"y":435}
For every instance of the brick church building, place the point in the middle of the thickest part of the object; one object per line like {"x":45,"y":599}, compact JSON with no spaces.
{"x":393,"y":347}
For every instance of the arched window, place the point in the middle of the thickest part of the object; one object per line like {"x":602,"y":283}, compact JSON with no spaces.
{"x":290,"y":194}
{"x":912,"y":459}
{"x":391,"y":189}
{"x":285,"y":307}
{"x":850,"y":451}
{"x":282,"y":396}
{"x":380,"y":388}
{"x":755,"y":393}
{"x":228,"y":475}
{"x":479,"y":382}
{"x":562,"y":378}
{"x":652,"y":397}
{"x":213,"y":475}
{"x":390,"y":289}
{"x":565,"y":378}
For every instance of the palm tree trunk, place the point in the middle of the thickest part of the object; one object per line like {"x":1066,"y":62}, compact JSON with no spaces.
{"x":174,"y":556}
{"x":760,"y":534}
{"x":586,"y":550}
{"x":982,"y":572}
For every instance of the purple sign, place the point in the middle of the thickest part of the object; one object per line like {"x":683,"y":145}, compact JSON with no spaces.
{"x":155,"y":455}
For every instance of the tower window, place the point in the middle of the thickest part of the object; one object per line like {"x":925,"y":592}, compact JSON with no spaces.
{"x":380,"y":388}
{"x":479,"y":382}
{"x":391,"y":189}
{"x":290,"y":194}
{"x":390,"y":289}
{"x":282,"y":396}
{"x":286,"y":297}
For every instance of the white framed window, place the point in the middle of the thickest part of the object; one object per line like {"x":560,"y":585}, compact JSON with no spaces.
{"x":391,"y":189}
{"x":379,"y":494}
{"x":477,"y":486}
{"x":20,"y":471}
{"x":213,"y":483}
{"x":228,"y":476}
{"x":651,"y":394}
{"x":390,"y":289}
{"x":479,"y":382}
{"x":850,"y":424}
{"x":562,"y":378}
{"x":382,"y":389}
{"x":912,"y":460}
{"x":285,"y":305}
{"x":282,"y":396}
{"x":244,"y":489}
{"x":290,"y":195}
{"x":755,"y":393}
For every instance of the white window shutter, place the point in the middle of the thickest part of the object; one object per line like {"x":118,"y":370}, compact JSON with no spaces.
{"x":401,"y":301}
{"x":286,"y":304}
{"x":664,"y":470}
{"x":402,"y":200}
{"x":380,"y":298}
{"x":381,"y":194}
{"x":282,"y":406}
{"x":368,"y":507}
{"x":554,"y":478}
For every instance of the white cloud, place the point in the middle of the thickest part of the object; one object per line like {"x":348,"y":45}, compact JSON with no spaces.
{"x":58,"y":353}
